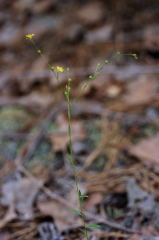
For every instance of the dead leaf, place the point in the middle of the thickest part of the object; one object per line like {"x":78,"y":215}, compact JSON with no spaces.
{"x":62,"y":215}
{"x":135,"y":236}
{"x":19,"y":197}
{"x":142,"y":90}
{"x":148,"y":151}
{"x":9,"y":216}
{"x":138,"y":198}
{"x":94,"y":200}
{"x":90,"y":13}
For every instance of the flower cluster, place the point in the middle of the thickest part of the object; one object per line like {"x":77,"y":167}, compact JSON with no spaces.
{"x":58,"y":69}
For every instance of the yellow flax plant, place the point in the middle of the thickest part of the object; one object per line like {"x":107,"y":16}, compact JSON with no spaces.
{"x":57,"y":70}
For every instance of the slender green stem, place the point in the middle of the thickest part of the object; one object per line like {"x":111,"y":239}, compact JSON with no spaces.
{"x":99,"y":68}
{"x":39,"y":51}
{"x":72,"y":161}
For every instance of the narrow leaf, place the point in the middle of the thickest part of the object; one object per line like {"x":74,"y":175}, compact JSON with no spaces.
{"x":77,"y":212}
{"x":93,"y":226}
{"x":83,"y":196}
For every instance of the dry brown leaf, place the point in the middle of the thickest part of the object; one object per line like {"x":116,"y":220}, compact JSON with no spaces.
{"x":142,"y":90}
{"x":9,"y":216}
{"x":148,"y":151}
{"x":139,"y":198}
{"x":135,"y":236}
{"x":90,"y":13}
{"x":138,"y":93}
{"x":19,"y":197}
{"x":93,"y":200}
{"x":61,"y":214}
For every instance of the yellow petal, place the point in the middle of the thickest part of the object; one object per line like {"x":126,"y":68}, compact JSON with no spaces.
{"x":30,"y":36}
{"x":60,"y":69}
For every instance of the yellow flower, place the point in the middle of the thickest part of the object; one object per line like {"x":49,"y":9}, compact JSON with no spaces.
{"x":60,"y":69}
{"x":30,"y":36}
